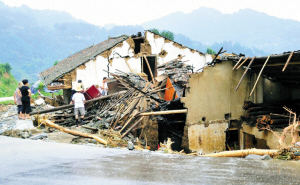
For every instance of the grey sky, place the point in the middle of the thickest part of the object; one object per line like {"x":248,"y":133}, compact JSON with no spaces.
{"x":135,"y":12}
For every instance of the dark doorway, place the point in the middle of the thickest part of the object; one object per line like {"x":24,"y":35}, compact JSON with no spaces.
{"x":137,"y":44}
{"x":152,"y":64}
{"x":172,"y":125}
{"x":232,"y":140}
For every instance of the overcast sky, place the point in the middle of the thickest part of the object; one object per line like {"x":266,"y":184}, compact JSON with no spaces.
{"x":135,"y":12}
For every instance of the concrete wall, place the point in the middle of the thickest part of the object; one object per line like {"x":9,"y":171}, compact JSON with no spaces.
{"x":207,"y":139}
{"x":212,"y":95}
{"x":159,"y":44}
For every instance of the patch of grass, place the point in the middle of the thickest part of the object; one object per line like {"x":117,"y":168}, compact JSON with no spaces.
{"x":7,"y":102}
{"x":35,"y":96}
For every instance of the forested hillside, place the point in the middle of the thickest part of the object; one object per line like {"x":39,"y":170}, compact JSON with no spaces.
{"x":32,"y":40}
{"x":8,"y":83}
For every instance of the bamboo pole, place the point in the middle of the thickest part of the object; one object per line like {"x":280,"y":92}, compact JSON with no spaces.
{"x":244,"y":74}
{"x":127,"y":122}
{"x":242,"y":63}
{"x":242,"y":153}
{"x":260,"y":74}
{"x":182,"y":111}
{"x":237,"y":63}
{"x":128,"y":66}
{"x":288,"y":61}
{"x":71,"y":105}
{"x":73,"y":132}
{"x":135,"y":124}
{"x":153,"y":80}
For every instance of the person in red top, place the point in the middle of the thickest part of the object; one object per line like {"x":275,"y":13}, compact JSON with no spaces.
{"x":25,"y":94}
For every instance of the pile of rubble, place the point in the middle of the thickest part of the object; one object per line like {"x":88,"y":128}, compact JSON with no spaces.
{"x":126,"y":116}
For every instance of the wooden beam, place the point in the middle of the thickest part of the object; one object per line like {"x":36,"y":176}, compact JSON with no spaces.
{"x":71,"y":106}
{"x":128,"y":66}
{"x":135,"y":124}
{"x":242,"y":153}
{"x":277,"y":64}
{"x":73,"y":132}
{"x":260,"y":74}
{"x":153,"y":80}
{"x":287,"y":62}
{"x":182,"y":111}
{"x":244,"y":74}
{"x":237,"y":63}
{"x":242,"y":63}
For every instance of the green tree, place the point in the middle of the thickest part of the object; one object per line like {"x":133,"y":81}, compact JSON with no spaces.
{"x":41,"y":86}
{"x":210,"y":51}
{"x":55,"y":63}
{"x":154,"y":30}
{"x":164,"y":33}
{"x":7,"y":67}
{"x":167,"y":34}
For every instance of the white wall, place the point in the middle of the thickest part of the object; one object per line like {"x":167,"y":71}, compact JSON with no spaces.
{"x":93,"y":73}
{"x":158,"y":44}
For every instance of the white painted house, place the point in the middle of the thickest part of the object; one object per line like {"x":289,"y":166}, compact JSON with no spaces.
{"x":124,"y":53}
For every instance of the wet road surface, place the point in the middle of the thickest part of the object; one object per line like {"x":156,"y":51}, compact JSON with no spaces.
{"x":38,"y":162}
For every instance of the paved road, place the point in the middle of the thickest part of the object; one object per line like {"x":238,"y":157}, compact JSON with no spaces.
{"x":38,"y":162}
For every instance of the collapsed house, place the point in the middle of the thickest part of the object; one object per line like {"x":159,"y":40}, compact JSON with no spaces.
{"x":238,"y":103}
{"x":225,"y":109}
{"x":155,"y":59}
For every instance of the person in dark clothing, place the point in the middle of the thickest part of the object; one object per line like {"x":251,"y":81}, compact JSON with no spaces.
{"x":25,"y":94}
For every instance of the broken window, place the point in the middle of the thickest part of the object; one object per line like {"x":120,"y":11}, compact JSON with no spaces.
{"x":153,"y":66}
{"x":137,"y":44}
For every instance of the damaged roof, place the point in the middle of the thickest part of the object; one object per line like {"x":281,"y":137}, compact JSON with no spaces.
{"x":176,"y":42}
{"x":283,"y":67}
{"x":79,"y":58}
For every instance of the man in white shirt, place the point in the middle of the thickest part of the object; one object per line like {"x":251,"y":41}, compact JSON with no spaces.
{"x":104,"y":87}
{"x":78,"y":100}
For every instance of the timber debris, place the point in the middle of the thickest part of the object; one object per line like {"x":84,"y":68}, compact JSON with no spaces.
{"x":130,"y":115}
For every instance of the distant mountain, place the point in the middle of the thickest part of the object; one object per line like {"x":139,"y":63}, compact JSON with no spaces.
{"x":246,"y":27}
{"x":32,"y":40}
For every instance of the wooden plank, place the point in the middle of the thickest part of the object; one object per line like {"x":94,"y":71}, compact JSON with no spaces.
{"x":277,"y":64}
{"x":244,"y":74}
{"x":260,"y":74}
{"x":237,"y":63}
{"x":73,"y":132}
{"x":288,"y":61}
{"x":242,"y":63}
{"x":70,"y":106}
{"x":128,"y":66}
{"x":182,"y":111}
{"x":135,"y":124}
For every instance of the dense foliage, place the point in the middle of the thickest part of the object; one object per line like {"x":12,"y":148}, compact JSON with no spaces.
{"x":8,"y":83}
{"x":164,"y":33}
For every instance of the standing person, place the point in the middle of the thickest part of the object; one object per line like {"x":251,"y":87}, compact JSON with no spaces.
{"x":104,"y":87}
{"x":25,"y":94}
{"x":17,"y":100}
{"x":79,"y":83}
{"x":78,"y":100}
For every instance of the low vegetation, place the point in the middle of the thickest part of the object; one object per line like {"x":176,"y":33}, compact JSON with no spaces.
{"x":8,"y":83}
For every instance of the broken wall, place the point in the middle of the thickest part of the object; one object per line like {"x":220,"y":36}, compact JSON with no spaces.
{"x":109,"y":60}
{"x":212,"y":95}
{"x":172,"y":49}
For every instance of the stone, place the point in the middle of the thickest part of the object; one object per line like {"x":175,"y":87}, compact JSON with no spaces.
{"x":25,"y":135}
{"x":23,"y":124}
{"x":39,"y":136}
{"x":297,"y":153}
{"x":130,"y":145}
{"x":253,"y":156}
{"x":266,"y":157}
